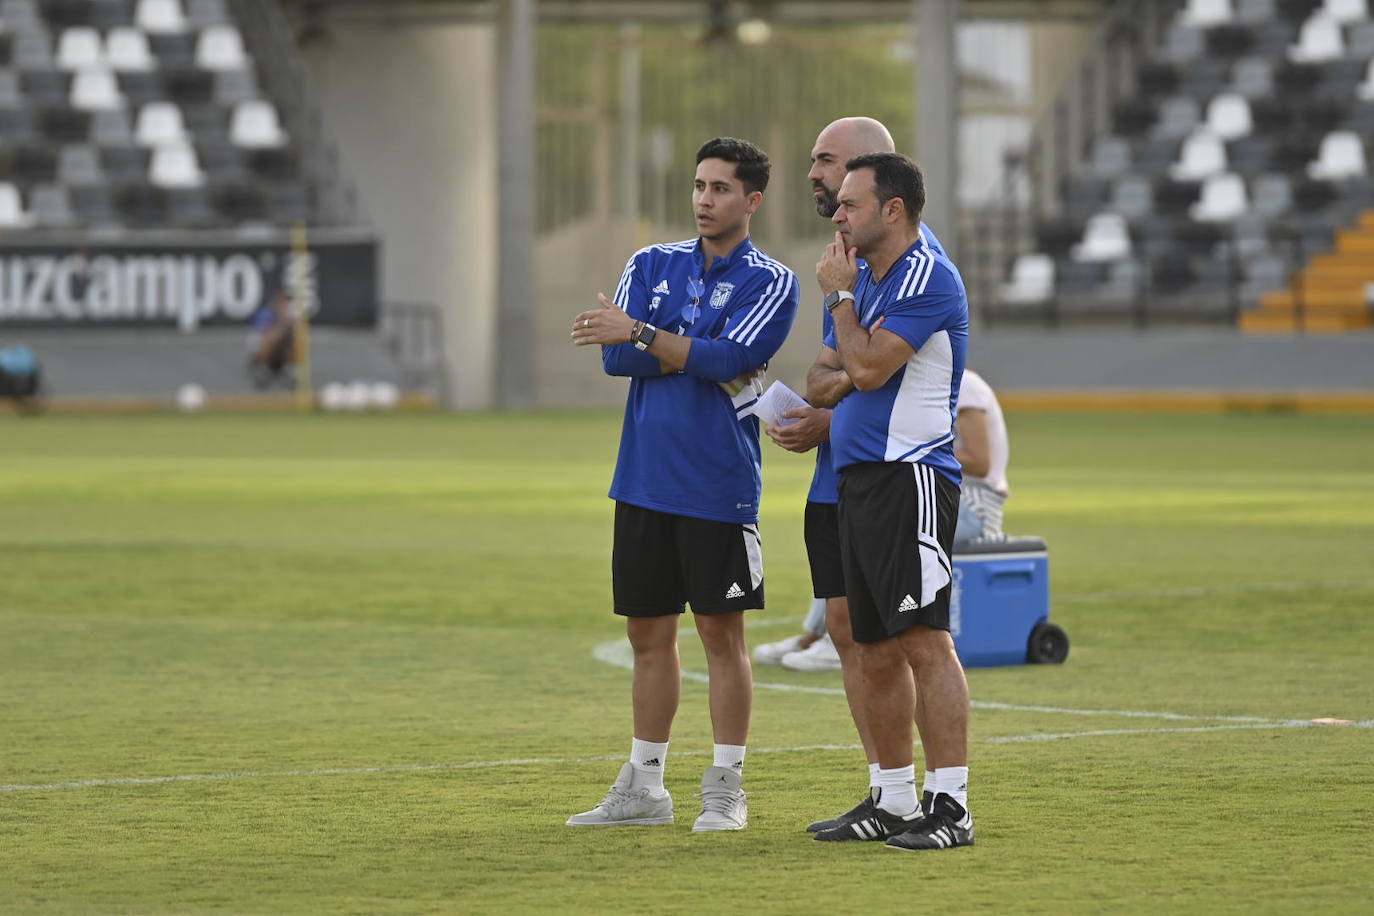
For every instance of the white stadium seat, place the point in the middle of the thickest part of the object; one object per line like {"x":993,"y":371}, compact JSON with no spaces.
{"x":12,"y":215}
{"x":175,"y":166}
{"x":1319,"y":41}
{"x":1346,"y":12}
{"x":1032,"y":280}
{"x":1105,"y":238}
{"x":160,"y":16}
{"x":126,"y":48}
{"x":220,"y":47}
{"x":95,"y":90}
{"x":159,"y":124}
{"x":255,"y":125}
{"x":1340,"y":156}
{"x":1223,"y":199}
{"x":1203,"y":14}
{"x":79,"y":48}
{"x":1202,"y":155}
{"x":1228,"y":116}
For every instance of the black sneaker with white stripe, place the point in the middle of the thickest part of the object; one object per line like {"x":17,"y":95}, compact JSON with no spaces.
{"x":861,"y":810}
{"x":947,"y":825}
{"x":877,"y":824}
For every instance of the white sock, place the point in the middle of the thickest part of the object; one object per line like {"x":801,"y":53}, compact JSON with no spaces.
{"x":953,"y":781}
{"x":929,"y":784}
{"x":648,"y":759}
{"x":730,"y":756}
{"x":873,"y":776}
{"x":898,"y":787}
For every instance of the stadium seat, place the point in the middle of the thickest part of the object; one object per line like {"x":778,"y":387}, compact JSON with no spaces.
{"x":12,"y":213}
{"x":141,"y":87}
{"x":190,"y":86}
{"x":202,"y":13}
{"x":1250,"y":156}
{"x":254,"y":125}
{"x":1111,"y":157}
{"x":1346,"y":12}
{"x":1203,"y":14}
{"x":1365,"y":90}
{"x":174,"y":165}
{"x":1319,"y":41}
{"x":79,"y":163}
{"x":142,"y":205}
{"x":1133,"y":196}
{"x":234,"y":86}
{"x":1253,"y":77}
{"x":160,"y":16}
{"x":10,"y":94}
{"x":31,"y":51}
{"x":1230,"y":41}
{"x":1223,"y":199}
{"x":126,"y":49}
{"x":1359,"y":41}
{"x":1178,"y":117}
{"x":124,"y":164}
{"x":1263,"y":274}
{"x":45,"y":87}
{"x":1340,"y":156}
{"x":1202,"y":155}
{"x":110,"y":14}
{"x":64,"y":125}
{"x":1123,"y":280}
{"x":220,"y":47}
{"x":1031,"y":281}
{"x":111,"y":128}
{"x":158,"y":124}
{"x":93,"y":205}
{"x":1184,"y":43}
{"x":1228,"y":116}
{"x":189,"y":208}
{"x":80,"y":48}
{"x":1105,"y":238}
{"x":95,"y":90}
{"x":1273,"y":195}
{"x":50,"y":206}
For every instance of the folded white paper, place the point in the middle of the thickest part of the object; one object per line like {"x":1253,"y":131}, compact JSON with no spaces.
{"x":776,"y":401}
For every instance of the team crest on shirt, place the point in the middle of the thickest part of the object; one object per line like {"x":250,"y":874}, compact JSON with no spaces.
{"x":721,"y":294}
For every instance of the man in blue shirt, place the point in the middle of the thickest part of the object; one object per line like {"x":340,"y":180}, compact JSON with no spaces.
{"x":892,"y":440}
{"x":839,"y":142}
{"x":693,"y":324}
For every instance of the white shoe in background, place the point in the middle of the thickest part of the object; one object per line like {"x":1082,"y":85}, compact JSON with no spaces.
{"x":819,"y":656}
{"x":771,"y":653}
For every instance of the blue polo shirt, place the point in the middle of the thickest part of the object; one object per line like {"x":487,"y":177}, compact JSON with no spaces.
{"x":683,"y":448}
{"x":911,"y":417}
{"x":825,"y":483}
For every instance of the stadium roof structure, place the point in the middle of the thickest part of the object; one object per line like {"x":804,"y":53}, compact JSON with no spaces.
{"x":780,"y":12}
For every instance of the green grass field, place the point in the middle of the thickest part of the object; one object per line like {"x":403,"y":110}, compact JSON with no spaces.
{"x":344,"y":664}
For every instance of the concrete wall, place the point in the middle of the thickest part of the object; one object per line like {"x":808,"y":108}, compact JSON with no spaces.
{"x":415,"y":114}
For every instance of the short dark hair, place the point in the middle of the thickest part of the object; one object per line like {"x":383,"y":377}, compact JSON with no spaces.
{"x":895,"y":175}
{"x":752,"y":167}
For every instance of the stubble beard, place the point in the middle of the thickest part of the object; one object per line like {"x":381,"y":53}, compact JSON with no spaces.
{"x":829,"y":201}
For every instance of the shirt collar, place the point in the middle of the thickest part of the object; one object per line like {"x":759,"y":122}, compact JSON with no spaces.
{"x":739,"y":251}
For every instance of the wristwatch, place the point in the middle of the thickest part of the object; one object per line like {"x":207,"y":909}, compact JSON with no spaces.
{"x":832,"y":300}
{"x":646,"y":337}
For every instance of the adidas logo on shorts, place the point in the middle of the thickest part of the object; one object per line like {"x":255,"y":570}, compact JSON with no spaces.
{"x":908,"y":604}
{"x":734,"y":591}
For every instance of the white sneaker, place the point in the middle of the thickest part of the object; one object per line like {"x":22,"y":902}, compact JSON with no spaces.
{"x":626,"y":805}
{"x":723,"y":804}
{"x":771,"y":653}
{"x":819,"y":656}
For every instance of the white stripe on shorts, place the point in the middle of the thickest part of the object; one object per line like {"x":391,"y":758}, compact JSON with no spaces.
{"x":935,"y":564}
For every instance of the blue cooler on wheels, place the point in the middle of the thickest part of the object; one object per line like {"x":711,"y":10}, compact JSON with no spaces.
{"x":1000,"y":606}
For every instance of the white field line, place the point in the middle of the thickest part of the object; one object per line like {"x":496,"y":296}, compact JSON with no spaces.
{"x":555,"y":761}
{"x":618,"y":654}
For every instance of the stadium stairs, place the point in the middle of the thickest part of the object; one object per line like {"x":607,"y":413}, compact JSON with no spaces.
{"x":1334,"y":293}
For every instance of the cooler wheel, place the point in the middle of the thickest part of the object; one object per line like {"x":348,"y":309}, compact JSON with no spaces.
{"x":1049,"y":645}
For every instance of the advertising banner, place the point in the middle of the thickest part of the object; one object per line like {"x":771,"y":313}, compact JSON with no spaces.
{"x":186,"y":286}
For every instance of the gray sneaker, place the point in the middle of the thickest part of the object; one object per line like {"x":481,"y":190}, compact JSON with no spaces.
{"x":625,"y":806}
{"x":723,"y":805}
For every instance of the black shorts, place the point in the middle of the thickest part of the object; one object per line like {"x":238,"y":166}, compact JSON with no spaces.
{"x":823,"y":550}
{"x":662,"y":562}
{"x":896,"y":535}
